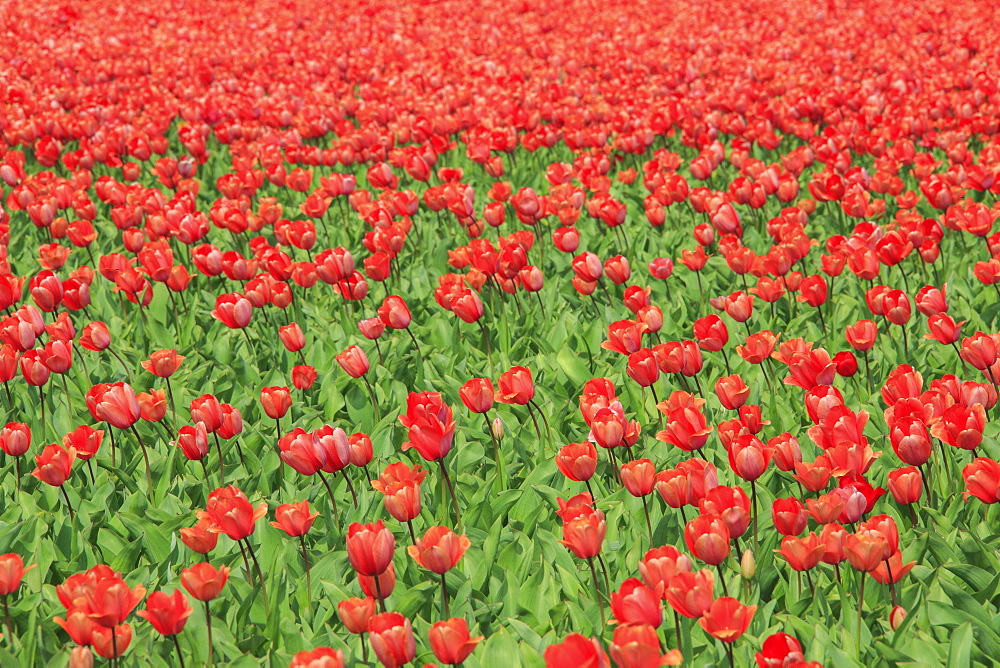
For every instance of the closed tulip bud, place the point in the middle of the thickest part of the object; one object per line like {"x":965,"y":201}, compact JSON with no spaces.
{"x":203,"y":581}
{"x":451,"y":641}
{"x":497,"y":428}
{"x":355,"y":613}
{"x":391,"y":638}
{"x":354,"y":362}
{"x":896,"y":617}
{"x":748,"y":565}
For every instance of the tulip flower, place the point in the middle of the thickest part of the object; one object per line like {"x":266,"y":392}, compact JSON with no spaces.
{"x":576,"y":650}
{"x":577,"y":461}
{"x":370,"y":548}
{"x":321,"y":657}
{"x":634,"y":602}
{"x":12,"y":571}
{"x":451,"y":641}
{"x":200,"y":538}
{"x":439,"y":551}
{"x":779,"y":649}
{"x":391,"y":637}
{"x":637,"y":645}
{"x":15,"y":439}
{"x":204,"y":582}
{"x":167,"y":613}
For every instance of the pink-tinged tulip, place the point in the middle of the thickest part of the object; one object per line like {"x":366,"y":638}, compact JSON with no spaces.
{"x":391,"y":638}
{"x":355,"y":613}
{"x":707,"y":537}
{"x":982,"y":480}
{"x":354,"y":361}
{"x":370,"y":548}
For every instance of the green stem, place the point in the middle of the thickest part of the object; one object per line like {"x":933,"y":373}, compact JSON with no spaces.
{"x":454,"y":497}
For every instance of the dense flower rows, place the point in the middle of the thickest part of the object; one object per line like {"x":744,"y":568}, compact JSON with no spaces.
{"x":494,"y":333}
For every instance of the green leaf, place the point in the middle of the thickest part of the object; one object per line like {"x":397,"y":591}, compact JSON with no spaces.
{"x":959,"y":656}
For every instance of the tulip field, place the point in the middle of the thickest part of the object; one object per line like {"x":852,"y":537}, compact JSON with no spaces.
{"x":448,"y":333}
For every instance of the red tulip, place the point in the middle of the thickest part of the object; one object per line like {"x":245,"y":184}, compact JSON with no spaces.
{"x":439,"y":550}
{"x":54,"y":465}
{"x":292,"y":338}
{"x":578,"y":651}
{"x":167,"y":613}
{"x":707,"y":537}
{"x":232,"y":513}
{"x":354,"y":361}
{"x":451,"y":642}
{"x":727,"y":619}
{"x":15,"y":438}
{"x":200,"y":538}
{"x":203,"y":581}
{"x":662,"y":563}
{"x":691,"y":593}
{"x":789,"y":516}
{"x":429,"y":422}
{"x":370,"y":548}
{"x":294,"y":518}
{"x":320,"y":657}
{"x":634,"y":602}
{"x":515,"y":386}
{"x":233,"y":310}
{"x":394,"y":312}
{"x":802,"y":554}
{"x":779,"y":650}
{"x":355,"y":613}
{"x":163,"y":363}
{"x":477,"y":395}
{"x":275,"y":401}
{"x":982,"y":480}
{"x":577,"y":461}
{"x":12,"y":570}
{"x":391,"y":637}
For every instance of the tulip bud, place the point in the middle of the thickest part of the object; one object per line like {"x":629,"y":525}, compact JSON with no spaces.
{"x":748,"y":565}
{"x":497,"y":428}
{"x":897,"y":616}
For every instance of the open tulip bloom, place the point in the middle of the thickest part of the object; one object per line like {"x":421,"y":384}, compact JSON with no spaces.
{"x":726,"y":301}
